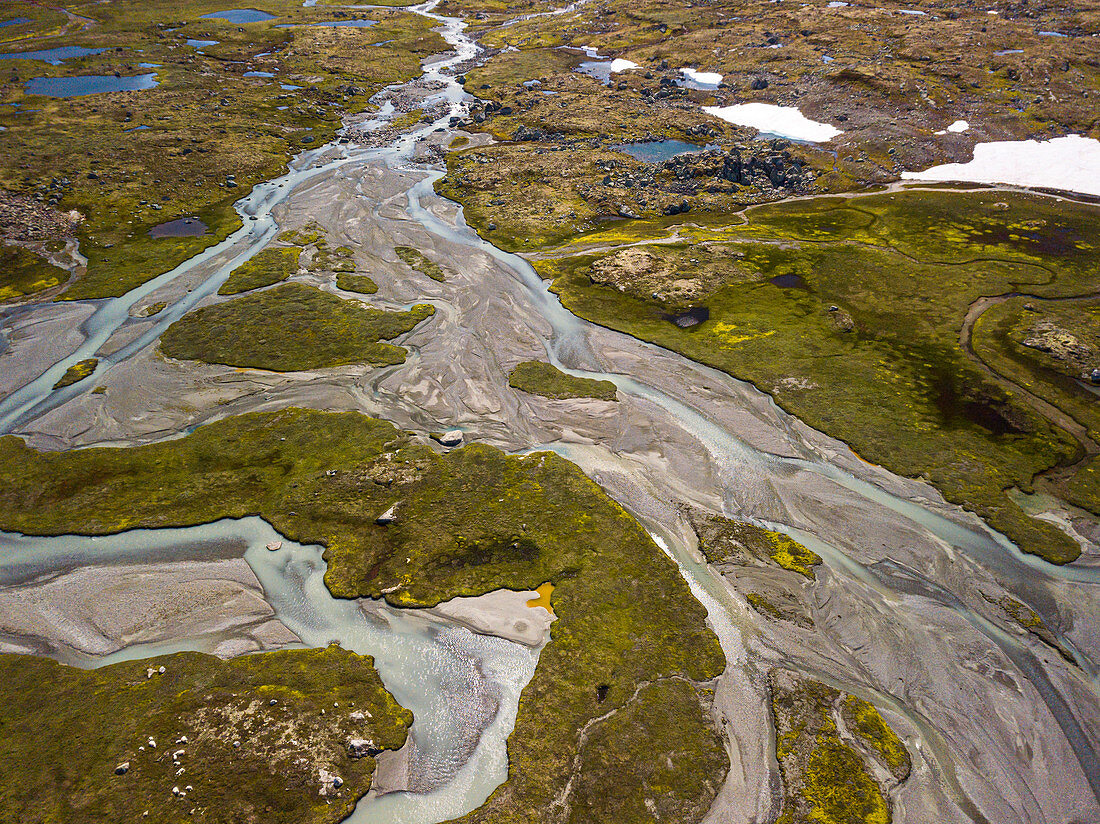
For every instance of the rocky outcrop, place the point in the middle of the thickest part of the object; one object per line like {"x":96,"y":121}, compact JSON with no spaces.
{"x":776,"y":168}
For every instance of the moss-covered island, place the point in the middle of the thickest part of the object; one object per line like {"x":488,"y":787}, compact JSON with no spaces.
{"x":264,"y":269}
{"x":415,"y":259}
{"x":723,"y":541}
{"x":830,"y":747}
{"x":540,"y":378}
{"x":291,"y":328}
{"x":629,"y":637}
{"x":77,"y":372}
{"x":190,"y":737}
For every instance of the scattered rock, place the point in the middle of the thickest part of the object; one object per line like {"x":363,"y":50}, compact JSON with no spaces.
{"x":452,"y":438}
{"x":275,"y":546}
{"x":387,"y":517}
{"x":122,"y":768}
{"x":362,"y":747}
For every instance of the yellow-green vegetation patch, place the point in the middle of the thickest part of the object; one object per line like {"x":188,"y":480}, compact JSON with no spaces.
{"x":825,"y":765}
{"x":763,"y":606}
{"x":224,"y":740}
{"x":356,"y":283}
{"x":262,"y":269}
{"x":291,"y":328}
{"x":327,"y":259}
{"x":305,"y":236}
{"x":415,"y":259}
{"x":863,"y":720}
{"x":153,"y":309}
{"x":77,"y":372}
{"x":1028,"y":619}
{"x":23,"y":273}
{"x":1022,"y":614}
{"x":540,"y":378}
{"x":468,"y":522}
{"x":854,"y":326}
{"x":199,"y":140}
{"x":631,"y":768}
{"x":724,"y":541}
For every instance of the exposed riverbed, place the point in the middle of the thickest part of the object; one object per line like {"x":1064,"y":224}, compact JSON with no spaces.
{"x":1000,"y":725}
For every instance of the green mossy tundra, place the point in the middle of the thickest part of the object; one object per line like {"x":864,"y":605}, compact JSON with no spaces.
{"x":128,"y":743}
{"x":291,"y":328}
{"x":470,"y":521}
{"x":539,"y":378}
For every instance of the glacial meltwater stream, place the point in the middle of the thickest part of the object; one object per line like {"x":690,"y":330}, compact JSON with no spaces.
{"x":427,"y":665}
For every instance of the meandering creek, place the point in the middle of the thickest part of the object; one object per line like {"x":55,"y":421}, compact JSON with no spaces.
{"x":896,"y":601}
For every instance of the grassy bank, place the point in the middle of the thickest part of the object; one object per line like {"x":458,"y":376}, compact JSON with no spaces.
{"x":848,"y":312}
{"x":468,"y":522}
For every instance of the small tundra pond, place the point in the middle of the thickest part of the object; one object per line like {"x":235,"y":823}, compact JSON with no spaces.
{"x":15,"y":21}
{"x":181,"y":227}
{"x":657,"y":151}
{"x":239,"y":15}
{"x":52,"y":56}
{"x":89,"y":84}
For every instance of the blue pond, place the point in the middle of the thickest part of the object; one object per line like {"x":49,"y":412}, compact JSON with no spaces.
{"x":240,"y":15}
{"x":259,"y":74}
{"x":198,"y":44}
{"x":89,"y":84}
{"x":52,"y":56}
{"x":287,"y":87}
{"x":657,"y":151}
{"x":15,"y":21}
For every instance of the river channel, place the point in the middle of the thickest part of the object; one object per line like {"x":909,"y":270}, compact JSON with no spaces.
{"x":1002,"y":726}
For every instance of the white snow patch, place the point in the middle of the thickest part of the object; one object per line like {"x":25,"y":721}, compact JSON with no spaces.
{"x":784,"y":121}
{"x":956,"y":127}
{"x":620,"y":64}
{"x":702,"y":78}
{"x":1070,"y":163}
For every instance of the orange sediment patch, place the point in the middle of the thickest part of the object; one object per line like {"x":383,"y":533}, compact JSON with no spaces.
{"x":544,"y":598}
